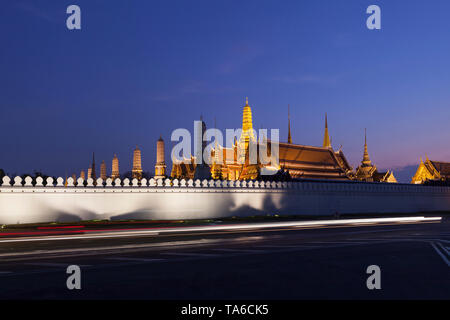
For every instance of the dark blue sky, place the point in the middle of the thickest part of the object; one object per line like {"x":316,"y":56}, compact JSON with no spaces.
{"x":138,"y":69}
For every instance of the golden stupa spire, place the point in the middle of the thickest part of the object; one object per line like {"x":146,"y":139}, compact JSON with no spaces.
{"x":326,"y":137}
{"x":247,"y":124}
{"x":366,"y":159}
{"x":289,"y":126}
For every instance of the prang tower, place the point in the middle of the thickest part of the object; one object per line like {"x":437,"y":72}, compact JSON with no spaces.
{"x":160,"y":167}
{"x":103,"y":170}
{"x":115,"y":168}
{"x":137,"y":164}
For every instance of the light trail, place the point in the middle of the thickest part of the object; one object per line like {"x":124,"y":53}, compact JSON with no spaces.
{"x":116,"y":233}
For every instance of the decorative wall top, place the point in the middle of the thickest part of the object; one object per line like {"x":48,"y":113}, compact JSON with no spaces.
{"x":330,"y":186}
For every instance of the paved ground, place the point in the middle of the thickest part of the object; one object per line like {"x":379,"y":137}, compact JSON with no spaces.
{"x":282,"y":263}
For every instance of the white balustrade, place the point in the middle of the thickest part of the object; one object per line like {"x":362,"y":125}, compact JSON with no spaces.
{"x":17,"y":181}
{"x":70,"y":182}
{"x":28,"y":181}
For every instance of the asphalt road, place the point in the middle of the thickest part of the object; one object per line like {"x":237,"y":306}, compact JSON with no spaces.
{"x":317,"y":262}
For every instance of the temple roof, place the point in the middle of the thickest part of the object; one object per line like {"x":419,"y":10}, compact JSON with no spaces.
{"x":309,"y":161}
{"x":343,"y":160}
{"x":301,"y":153}
{"x":442,"y":167}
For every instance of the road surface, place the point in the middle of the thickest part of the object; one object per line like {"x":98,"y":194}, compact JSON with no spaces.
{"x":320,"y":261}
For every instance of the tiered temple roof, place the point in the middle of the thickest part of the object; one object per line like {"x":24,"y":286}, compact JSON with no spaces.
{"x":431,"y":170}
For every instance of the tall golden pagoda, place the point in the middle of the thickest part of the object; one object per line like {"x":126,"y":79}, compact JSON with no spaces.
{"x":247,"y":135}
{"x":137,"y":164}
{"x":247,"y":170}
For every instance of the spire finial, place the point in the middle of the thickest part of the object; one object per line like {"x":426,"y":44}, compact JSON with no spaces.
{"x":289,"y":125}
{"x":246,"y":101}
{"x":366,"y":160}
{"x":326,"y":137}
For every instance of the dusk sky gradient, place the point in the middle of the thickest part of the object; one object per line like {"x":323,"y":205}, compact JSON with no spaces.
{"x":140,"y":69}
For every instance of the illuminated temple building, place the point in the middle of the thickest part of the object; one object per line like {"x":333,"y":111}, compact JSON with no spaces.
{"x":300,"y":161}
{"x":431,"y":171}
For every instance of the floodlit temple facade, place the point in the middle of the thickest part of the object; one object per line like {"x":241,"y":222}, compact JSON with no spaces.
{"x":431,"y":171}
{"x":285,"y":160}
{"x":300,"y":161}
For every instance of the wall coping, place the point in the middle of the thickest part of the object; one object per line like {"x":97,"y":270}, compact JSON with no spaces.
{"x":25,"y":185}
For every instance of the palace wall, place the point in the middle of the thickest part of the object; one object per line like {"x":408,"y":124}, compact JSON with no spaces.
{"x":21,"y":202}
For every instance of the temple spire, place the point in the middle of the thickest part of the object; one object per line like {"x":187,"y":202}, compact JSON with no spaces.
{"x":289,"y":126}
{"x":247,"y":124}
{"x":326,"y":137}
{"x":366,"y":159}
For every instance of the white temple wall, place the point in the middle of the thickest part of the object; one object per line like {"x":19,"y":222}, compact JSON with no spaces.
{"x":175,"y":199}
